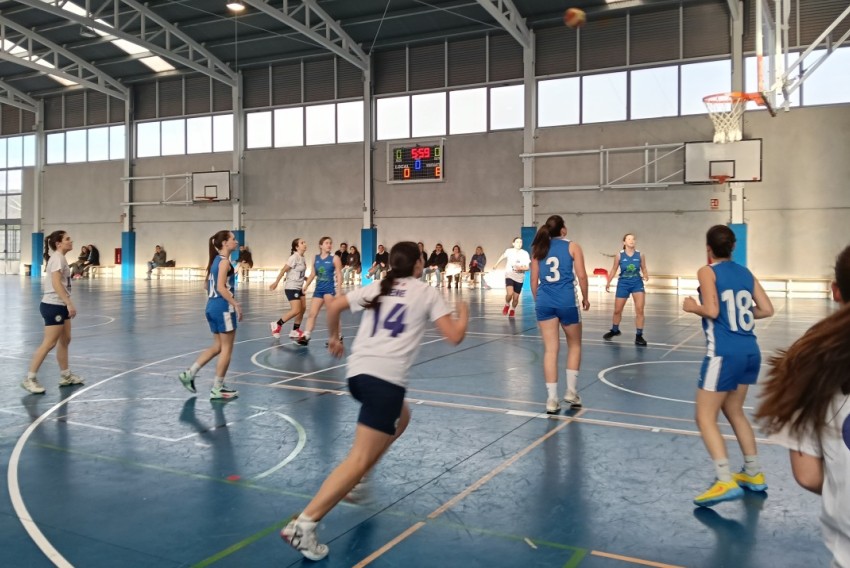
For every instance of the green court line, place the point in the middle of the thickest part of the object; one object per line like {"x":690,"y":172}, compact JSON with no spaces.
{"x":240,"y":545}
{"x":576,"y":559}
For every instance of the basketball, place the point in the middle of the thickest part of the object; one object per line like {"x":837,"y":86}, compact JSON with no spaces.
{"x":574,"y":17}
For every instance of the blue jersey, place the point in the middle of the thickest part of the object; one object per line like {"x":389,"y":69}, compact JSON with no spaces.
{"x":629,"y":265}
{"x":212,"y":280}
{"x":731,"y":332}
{"x":556,"y":276}
{"x":325,"y":271}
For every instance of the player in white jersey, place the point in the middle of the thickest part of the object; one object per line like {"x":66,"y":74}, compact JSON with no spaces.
{"x":222,"y":312}
{"x":294,"y":271}
{"x":731,"y":363}
{"x":57,"y":309}
{"x":396,"y":311}
{"x":806,"y":407}
{"x":516,"y":266}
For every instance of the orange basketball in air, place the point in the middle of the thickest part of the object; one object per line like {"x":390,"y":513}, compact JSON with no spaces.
{"x":574,"y":17}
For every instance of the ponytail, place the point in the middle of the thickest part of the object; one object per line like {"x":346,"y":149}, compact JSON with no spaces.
{"x":215,"y":243}
{"x":403,"y":257}
{"x":50,"y":243}
{"x":294,"y":246}
{"x":543,"y":239}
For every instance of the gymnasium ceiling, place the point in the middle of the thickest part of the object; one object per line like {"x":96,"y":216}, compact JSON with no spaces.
{"x":254,"y":38}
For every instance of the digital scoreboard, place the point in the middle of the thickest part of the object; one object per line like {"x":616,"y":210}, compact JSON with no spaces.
{"x":415,"y":163}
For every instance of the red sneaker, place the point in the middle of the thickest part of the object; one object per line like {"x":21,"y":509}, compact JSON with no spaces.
{"x":505,"y":310}
{"x":511,"y":314}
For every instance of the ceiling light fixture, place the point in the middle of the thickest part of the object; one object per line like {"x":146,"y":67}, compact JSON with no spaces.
{"x":235,"y":6}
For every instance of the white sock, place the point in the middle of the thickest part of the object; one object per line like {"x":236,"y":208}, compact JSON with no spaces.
{"x":218,"y":382}
{"x":305,"y":520}
{"x":193,"y":370}
{"x":30,"y":375}
{"x":721,"y":470}
{"x":552,"y":390}
{"x":65,"y":373}
{"x":572,"y":381}
{"x":751,"y":465}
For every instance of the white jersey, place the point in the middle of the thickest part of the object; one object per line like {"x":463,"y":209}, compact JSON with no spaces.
{"x":834,"y":448}
{"x":56,"y":263}
{"x":515,"y":258}
{"x":390,"y":336}
{"x":295,"y":275}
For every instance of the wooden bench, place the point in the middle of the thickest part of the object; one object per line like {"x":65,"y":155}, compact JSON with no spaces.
{"x":100,"y":271}
{"x":180,"y":272}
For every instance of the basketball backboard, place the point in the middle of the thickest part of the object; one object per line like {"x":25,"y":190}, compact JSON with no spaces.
{"x":736,"y":161}
{"x":211,"y":186}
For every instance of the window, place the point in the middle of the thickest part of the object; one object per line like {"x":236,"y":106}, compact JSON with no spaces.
{"x":75,"y":146}
{"x":259,"y":126}
{"x":655,"y":92}
{"x":393,"y":118}
{"x":468,"y":111}
{"x":349,"y":122}
{"x":321,"y":124}
{"x":603,"y":98}
{"x":173,"y":139}
{"x":2,"y":152}
{"x":428,"y":113}
{"x":558,"y":102}
{"x":199,"y":136}
{"x":223,"y":133}
{"x":29,"y":150}
{"x":289,"y":127}
{"x":147,"y":139}
{"x":701,"y":79}
{"x":15,"y":151}
{"x":14,"y":181}
{"x":98,"y":144}
{"x":116,"y":142}
{"x":56,"y":148}
{"x":830,"y":83}
{"x":507,"y":107}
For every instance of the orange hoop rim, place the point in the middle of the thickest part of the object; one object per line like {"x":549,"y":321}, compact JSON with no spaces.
{"x":720,"y":179}
{"x":734,"y":97}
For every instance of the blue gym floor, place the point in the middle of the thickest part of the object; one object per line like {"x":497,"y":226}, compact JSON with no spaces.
{"x":132,"y":470}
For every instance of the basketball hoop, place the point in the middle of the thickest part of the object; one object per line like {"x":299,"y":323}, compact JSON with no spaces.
{"x":205,"y":198}
{"x":725,"y":110}
{"x":720,"y":179}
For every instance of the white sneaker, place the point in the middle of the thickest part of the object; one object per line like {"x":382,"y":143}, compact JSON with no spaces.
{"x":32,"y":385}
{"x":275,"y":329}
{"x":295,"y":334}
{"x":70,"y":380}
{"x":553,"y":406}
{"x":302,"y":537}
{"x":573,"y":399}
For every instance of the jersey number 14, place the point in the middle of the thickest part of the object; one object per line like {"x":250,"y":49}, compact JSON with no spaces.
{"x":394,"y":320}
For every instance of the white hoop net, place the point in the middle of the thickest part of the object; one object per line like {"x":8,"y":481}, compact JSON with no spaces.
{"x":725,"y":110}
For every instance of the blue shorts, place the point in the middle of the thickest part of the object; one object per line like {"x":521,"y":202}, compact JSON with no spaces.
{"x":722,"y":374}
{"x":381,"y":402}
{"x":54,"y":314}
{"x":511,"y":283}
{"x":324,"y":289}
{"x":221,"y":316}
{"x":629,"y":286}
{"x":293,"y":294}
{"x":565,"y":315}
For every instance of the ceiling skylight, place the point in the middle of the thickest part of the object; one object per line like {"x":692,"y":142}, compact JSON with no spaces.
{"x":17,"y":50}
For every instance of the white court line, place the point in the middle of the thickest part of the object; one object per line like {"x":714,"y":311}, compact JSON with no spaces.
{"x":681,"y":343}
{"x":302,"y":441}
{"x":15,"y":496}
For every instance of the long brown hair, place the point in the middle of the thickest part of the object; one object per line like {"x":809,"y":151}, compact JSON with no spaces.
{"x":216,"y":242}
{"x":51,"y":241}
{"x":543,"y":239}
{"x":805,"y":378}
{"x":403,"y":257}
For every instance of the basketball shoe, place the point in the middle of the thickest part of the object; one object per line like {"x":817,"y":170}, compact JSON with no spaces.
{"x":752,"y":482}
{"x":719,"y":491}
{"x":573,"y":399}
{"x":301,"y":535}
{"x":612,"y":334}
{"x":275,"y":327}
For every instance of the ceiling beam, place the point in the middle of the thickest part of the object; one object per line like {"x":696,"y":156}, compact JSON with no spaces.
{"x":178,"y":46}
{"x":734,"y":12}
{"x":313,"y":22}
{"x":506,"y":14}
{"x":36,"y":46}
{"x":11,"y":96}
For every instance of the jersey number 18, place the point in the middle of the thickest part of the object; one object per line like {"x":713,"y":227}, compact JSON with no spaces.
{"x":739,"y":309}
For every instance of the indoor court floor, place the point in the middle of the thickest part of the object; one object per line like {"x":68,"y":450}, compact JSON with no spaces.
{"x":132,"y":470}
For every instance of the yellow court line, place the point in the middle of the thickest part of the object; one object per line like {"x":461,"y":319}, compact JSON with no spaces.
{"x":466,"y":492}
{"x":633,"y":560}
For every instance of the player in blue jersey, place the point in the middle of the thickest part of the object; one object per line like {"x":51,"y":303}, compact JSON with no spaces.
{"x":556,"y":264}
{"x":633,"y":273}
{"x":222,"y":311}
{"x":731,"y":299}
{"x":397,"y":311}
{"x":327,"y":272}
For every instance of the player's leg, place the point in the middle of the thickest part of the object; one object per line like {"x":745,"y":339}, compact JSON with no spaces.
{"x":619,"y":305}
{"x":551,"y":345}
{"x":639,"y":299}
{"x":573,"y":333}
{"x":51,"y":338}
{"x":219,"y":389}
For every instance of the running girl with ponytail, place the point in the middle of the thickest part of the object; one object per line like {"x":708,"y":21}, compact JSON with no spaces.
{"x":396,"y":311}
{"x":294,"y":271}
{"x":556,"y":264}
{"x":222,"y":311}
{"x":327,"y":271}
{"x":58,"y":310}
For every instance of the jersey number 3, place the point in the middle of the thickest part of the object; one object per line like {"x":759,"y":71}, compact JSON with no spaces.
{"x":554,"y":275}
{"x":739,"y":309}
{"x":394,"y":320}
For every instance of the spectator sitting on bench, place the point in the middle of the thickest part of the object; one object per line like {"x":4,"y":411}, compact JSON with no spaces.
{"x":77,"y":267}
{"x":92,"y":260}
{"x":159,"y":258}
{"x":379,"y":267}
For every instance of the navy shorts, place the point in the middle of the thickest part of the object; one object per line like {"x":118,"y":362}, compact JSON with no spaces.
{"x":293,"y":294}
{"x":628,"y":286}
{"x":221,"y":316}
{"x":511,"y":283}
{"x":565,"y":315}
{"x":381,"y":402}
{"x":722,"y":374}
{"x":54,"y":314}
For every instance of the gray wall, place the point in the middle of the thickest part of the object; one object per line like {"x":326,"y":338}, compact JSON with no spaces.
{"x":798,"y":216}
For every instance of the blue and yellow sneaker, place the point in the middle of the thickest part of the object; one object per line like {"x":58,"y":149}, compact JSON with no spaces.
{"x":751,"y":482}
{"x":720,"y":491}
